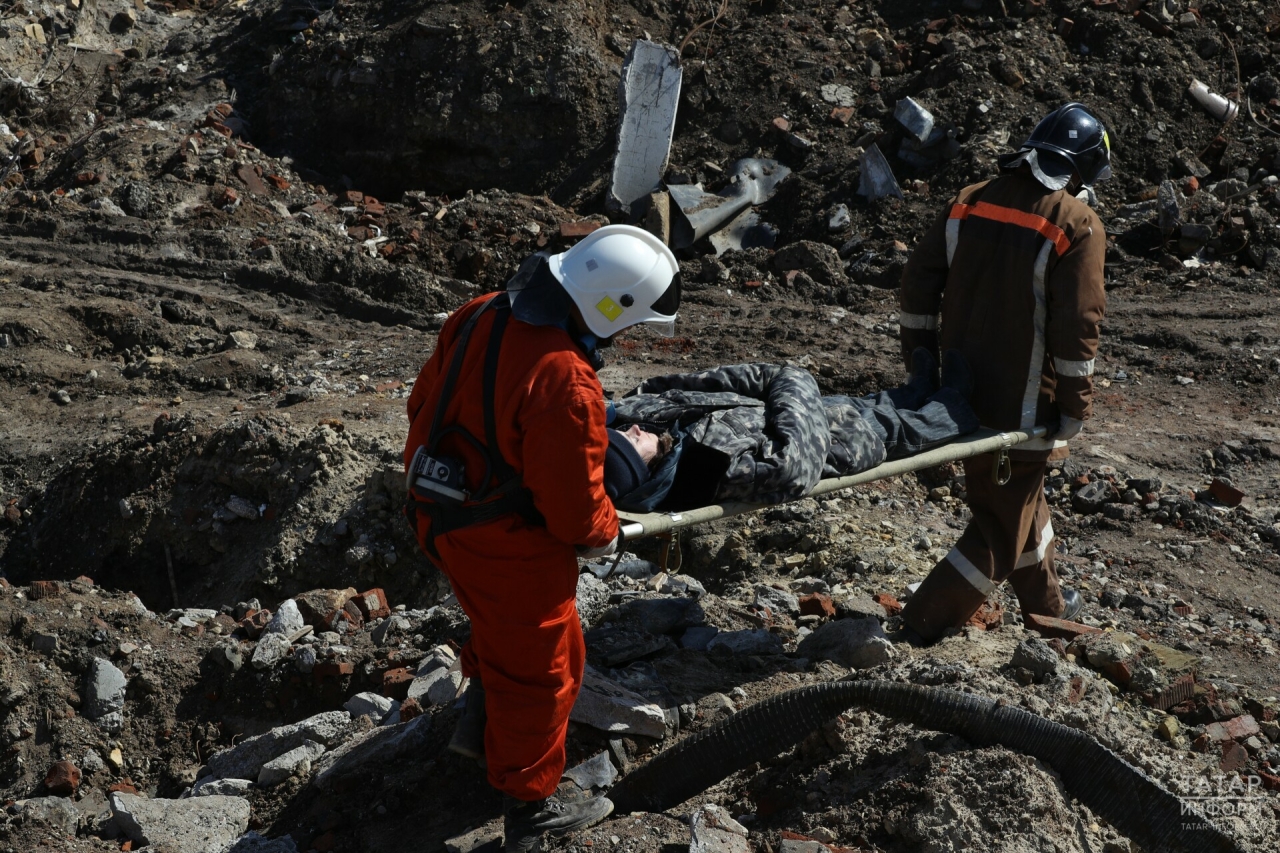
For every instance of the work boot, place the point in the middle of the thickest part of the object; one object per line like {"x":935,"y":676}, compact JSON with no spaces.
{"x":1072,"y":604}
{"x":956,"y":374}
{"x":468,"y":735}
{"x":524,"y":823}
{"x":924,"y":372}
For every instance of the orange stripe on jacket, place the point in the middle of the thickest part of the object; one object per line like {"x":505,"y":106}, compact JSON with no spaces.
{"x":997,"y":213}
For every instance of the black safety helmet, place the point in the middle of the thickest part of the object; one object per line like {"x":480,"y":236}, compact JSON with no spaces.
{"x":1072,"y":133}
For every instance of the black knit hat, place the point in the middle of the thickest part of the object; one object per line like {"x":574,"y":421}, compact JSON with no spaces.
{"x":624,"y":469}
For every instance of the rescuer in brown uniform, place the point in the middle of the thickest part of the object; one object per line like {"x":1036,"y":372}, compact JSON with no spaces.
{"x":1014,"y":266}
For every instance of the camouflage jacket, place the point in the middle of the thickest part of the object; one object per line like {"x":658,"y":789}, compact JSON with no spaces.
{"x":781,"y":436}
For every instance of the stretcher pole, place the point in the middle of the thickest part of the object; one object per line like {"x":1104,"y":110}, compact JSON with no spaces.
{"x":639,"y":525}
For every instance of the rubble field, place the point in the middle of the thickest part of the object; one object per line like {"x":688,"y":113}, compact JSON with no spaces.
{"x":231,"y":230}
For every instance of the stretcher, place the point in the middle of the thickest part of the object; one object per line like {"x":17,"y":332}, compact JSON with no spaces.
{"x":640,"y":525}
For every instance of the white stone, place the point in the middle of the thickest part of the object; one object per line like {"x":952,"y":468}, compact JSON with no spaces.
{"x":196,"y":825}
{"x":244,"y":760}
{"x":368,"y":705}
{"x":242,"y":340}
{"x":211,"y":787}
{"x":712,"y":830}
{"x":605,"y":705}
{"x":272,"y":649}
{"x":295,"y":762}
{"x":287,"y":619}
{"x":444,"y":690}
{"x":104,"y":689}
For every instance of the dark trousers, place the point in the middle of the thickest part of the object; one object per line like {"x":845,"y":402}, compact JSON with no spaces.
{"x":1009,"y":538}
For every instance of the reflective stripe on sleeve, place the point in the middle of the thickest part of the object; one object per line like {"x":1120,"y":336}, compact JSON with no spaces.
{"x":969,"y":572}
{"x":959,"y":212}
{"x":928,"y":322}
{"x":1065,"y":367}
{"x":1034,"y":558}
{"x":1031,"y":396}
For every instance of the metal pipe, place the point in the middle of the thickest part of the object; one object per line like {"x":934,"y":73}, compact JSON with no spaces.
{"x":638,"y":525}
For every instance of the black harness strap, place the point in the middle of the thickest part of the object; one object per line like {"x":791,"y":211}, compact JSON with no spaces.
{"x":509,"y":495}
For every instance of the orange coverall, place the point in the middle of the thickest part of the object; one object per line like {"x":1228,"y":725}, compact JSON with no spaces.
{"x":517,"y":582}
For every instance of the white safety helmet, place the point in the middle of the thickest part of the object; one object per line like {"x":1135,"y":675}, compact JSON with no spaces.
{"x":620,"y":276}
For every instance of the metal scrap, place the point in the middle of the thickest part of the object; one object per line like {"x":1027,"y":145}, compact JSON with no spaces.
{"x":700,"y":213}
{"x":649,"y":94}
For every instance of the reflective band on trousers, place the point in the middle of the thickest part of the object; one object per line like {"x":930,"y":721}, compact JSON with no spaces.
{"x":969,"y":572}
{"x":918,"y":321}
{"x":1033,"y":558}
{"x":1073,"y":368}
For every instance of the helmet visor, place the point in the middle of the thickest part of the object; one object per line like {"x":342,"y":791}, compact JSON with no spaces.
{"x":665,"y":327}
{"x":669,"y":302}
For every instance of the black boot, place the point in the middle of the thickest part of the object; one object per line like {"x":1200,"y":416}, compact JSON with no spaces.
{"x":924,"y":373}
{"x":524,"y":823}
{"x":956,"y":374}
{"x":1072,"y":604}
{"x":468,"y":735}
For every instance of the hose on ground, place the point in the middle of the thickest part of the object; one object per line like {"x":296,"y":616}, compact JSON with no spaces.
{"x":1112,"y":788}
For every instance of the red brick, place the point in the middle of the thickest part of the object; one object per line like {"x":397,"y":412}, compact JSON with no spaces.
{"x":1191,"y":185}
{"x":395,"y":682}
{"x":85,"y":579}
{"x":1269,"y":781}
{"x":1201,"y":744}
{"x":1236,"y":728}
{"x":891,"y":605}
{"x":578,"y":229}
{"x":333,"y":669}
{"x":124,"y":786}
{"x":254,"y":621}
{"x":359,"y":233}
{"x":988,"y":617}
{"x":782,"y":124}
{"x":277,"y":181}
{"x":409,"y":709}
{"x":817,"y":604}
{"x":44,"y":589}
{"x":1234,"y":757}
{"x":62,"y":779}
{"x":228,"y":197}
{"x":374,"y":208}
{"x":224,"y":110}
{"x":1048,"y":626}
{"x":373,"y":603}
{"x":350,"y":197}
{"x":843,"y":115}
{"x":13,"y":515}
{"x":1228,"y":494}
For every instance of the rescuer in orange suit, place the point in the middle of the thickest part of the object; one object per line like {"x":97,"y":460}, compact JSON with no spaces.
{"x":1013,"y":269}
{"x":505,"y":463}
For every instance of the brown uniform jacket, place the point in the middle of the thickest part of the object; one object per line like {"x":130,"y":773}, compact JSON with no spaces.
{"x":1016,"y":272}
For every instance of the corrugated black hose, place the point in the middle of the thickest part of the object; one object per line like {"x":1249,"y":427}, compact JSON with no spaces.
{"x":1114,"y":789}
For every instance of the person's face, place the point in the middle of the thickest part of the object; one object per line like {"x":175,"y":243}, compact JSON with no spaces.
{"x":645,"y":442}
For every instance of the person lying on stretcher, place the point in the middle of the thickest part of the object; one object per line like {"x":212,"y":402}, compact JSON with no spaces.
{"x":765,"y":433}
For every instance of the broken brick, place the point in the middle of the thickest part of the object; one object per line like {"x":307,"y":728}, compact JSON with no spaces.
{"x":395,"y":682}
{"x":1048,"y":626}
{"x":373,"y":603}
{"x":580,"y":228}
{"x":1236,"y":728}
{"x":988,"y":617}
{"x":63,"y":779}
{"x":254,"y":622}
{"x":44,"y":589}
{"x":350,"y":197}
{"x":891,"y":605}
{"x":228,"y":198}
{"x":1228,"y":494}
{"x":332,"y":669}
{"x":843,"y":115}
{"x":817,"y":604}
{"x":360,"y":233}
{"x":373,"y":207}
{"x":409,"y":709}
{"x":277,"y":181}
{"x":124,"y":786}
{"x":782,"y":124}
{"x":1234,"y":757}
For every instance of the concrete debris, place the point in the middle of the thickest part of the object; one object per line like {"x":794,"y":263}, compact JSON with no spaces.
{"x":271,"y":649}
{"x":244,"y":760}
{"x":1037,"y":656}
{"x":368,"y":705}
{"x":209,"y":787}
{"x":295,"y":762}
{"x":755,"y":641}
{"x":876,"y":178}
{"x":838,"y":94}
{"x":605,"y":705}
{"x":197,"y":825}
{"x":596,"y":772}
{"x":777,"y":600}
{"x":287,"y":619}
{"x":58,"y":813}
{"x":103,"y":690}
{"x":649,"y":94}
{"x":712,"y":830}
{"x":378,"y":747}
{"x":855,"y":643}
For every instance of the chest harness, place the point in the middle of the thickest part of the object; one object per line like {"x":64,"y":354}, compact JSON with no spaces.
{"x":437,"y":488}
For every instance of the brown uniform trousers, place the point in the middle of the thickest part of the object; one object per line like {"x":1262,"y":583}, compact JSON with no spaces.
{"x":1011,"y":275}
